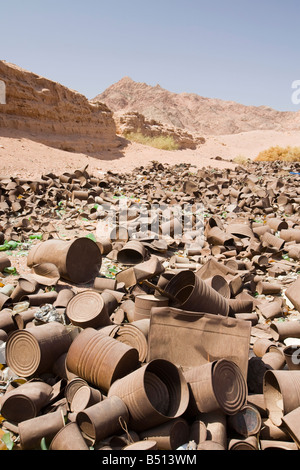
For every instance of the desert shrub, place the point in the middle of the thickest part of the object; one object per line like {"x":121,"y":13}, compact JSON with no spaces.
{"x":241,"y":160}
{"x":159,"y":142}
{"x":285,"y":154}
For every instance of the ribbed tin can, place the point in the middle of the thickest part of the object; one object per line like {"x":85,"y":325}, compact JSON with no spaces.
{"x":217,"y":385}
{"x":192,"y":294}
{"x":145,"y":302}
{"x":281,"y":389}
{"x":170,"y":435}
{"x":78,"y":261}
{"x":153,"y":394}
{"x":132,"y":253}
{"x":69,"y":438}
{"x":100,"y":359}
{"x":246,"y":422}
{"x":34,"y":350}
{"x":25,"y":402}
{"x":87,"y":309}
{"x":32,"y":431}
{"x":103,"y":419}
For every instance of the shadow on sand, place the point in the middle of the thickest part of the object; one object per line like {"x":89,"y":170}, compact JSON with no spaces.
{"x":114,"y":151}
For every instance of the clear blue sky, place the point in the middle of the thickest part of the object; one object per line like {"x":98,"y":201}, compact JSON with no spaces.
{"x":242,"y":50}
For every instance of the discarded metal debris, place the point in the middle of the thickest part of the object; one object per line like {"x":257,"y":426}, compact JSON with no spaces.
{"x":153,"y":312}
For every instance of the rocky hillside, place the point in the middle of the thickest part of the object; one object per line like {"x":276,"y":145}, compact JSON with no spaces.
{"x":54,"y":115}
{"x":194,"y":113}
{"x":133,"y":122}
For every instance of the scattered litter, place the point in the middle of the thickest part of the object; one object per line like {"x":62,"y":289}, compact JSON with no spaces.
{"x":126,"y":275}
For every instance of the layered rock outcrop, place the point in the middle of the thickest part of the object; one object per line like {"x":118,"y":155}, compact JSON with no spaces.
{"x":54,"y":115}
{"x":133,"y":122}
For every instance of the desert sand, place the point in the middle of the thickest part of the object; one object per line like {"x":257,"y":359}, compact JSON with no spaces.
{"x":46,"y":127}
{"x":28,"y":158}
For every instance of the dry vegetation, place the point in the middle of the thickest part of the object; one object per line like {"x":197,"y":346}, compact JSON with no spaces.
{"x":286,"y":154}
{"x":159,"y":142}
{"x":241,"y":160}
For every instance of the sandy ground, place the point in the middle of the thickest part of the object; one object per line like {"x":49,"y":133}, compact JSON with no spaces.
{"x":27,"y":158}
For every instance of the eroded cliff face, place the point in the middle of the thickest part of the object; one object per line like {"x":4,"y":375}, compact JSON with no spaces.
{"x":133,"y":122}
{"x":53,"y":114}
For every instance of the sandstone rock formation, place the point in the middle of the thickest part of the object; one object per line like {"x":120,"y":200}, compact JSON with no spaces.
{"x":54,"y":115}
{"x":194,"y":113}
{"x":133,"y":122}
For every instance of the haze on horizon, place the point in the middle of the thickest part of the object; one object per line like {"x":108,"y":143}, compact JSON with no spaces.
{"x":238,"y":50}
